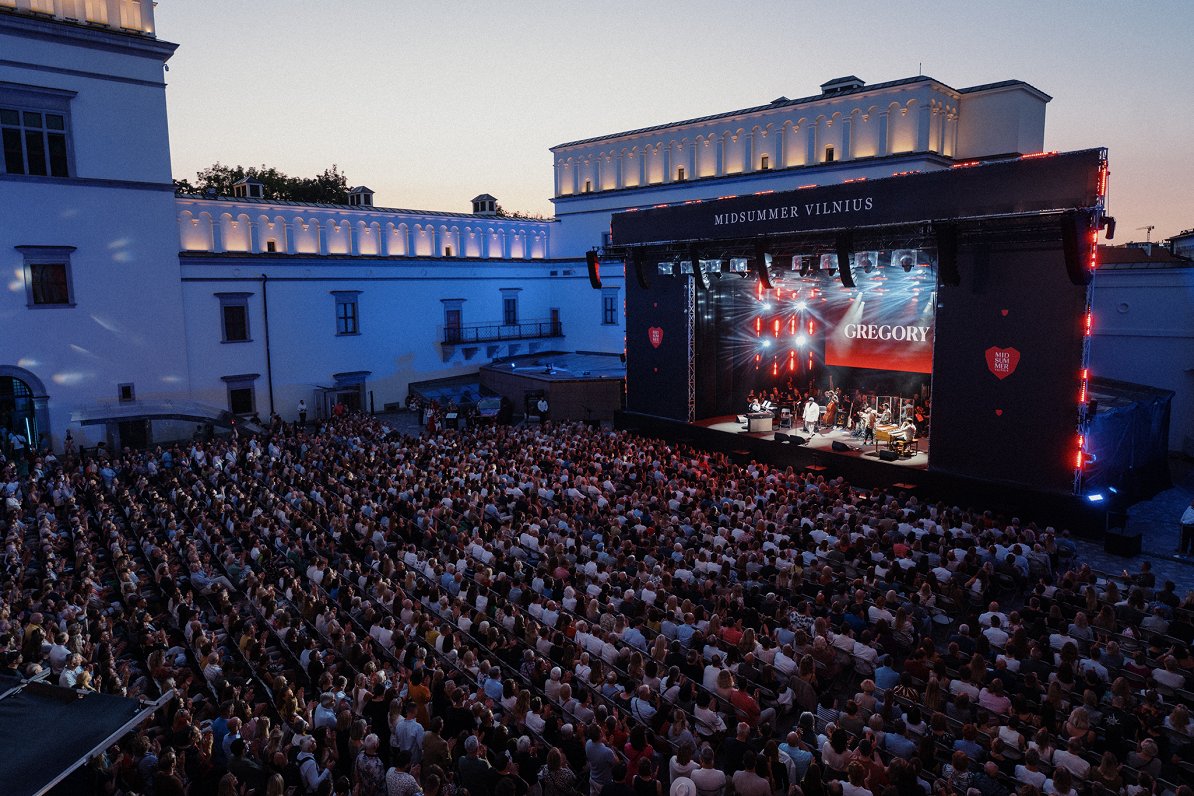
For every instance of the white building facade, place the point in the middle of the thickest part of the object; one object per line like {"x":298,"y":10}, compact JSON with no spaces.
{"x":121,"y":292}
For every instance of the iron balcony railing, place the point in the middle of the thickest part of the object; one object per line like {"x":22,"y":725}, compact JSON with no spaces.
{"x":495,"y":331}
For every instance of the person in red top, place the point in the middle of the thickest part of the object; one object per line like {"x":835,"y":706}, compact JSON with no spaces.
{"x":748,"y":709}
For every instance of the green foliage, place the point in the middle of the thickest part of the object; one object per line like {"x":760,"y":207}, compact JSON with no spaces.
{"x":330,"y":187}
{"x":502,"y":212}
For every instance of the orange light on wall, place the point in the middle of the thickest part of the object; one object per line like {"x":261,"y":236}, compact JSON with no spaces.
{"x":792,"y":325}
{"x":776,"y":327}
{"x":791,"y":360}
{"x":810,"y":327}
{"x":758,"y":325}
{"x":775,"y":367}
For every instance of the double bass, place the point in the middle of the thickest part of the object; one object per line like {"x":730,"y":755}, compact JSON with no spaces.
{"x":830,"y":411}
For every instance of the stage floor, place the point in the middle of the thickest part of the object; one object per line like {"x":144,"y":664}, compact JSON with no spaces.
{"x":823,"y":441}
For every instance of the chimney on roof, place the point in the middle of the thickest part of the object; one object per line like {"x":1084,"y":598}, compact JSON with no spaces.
{"x":841,"y":84}
{"x":484,"y":205}
{"x":360,"y":196}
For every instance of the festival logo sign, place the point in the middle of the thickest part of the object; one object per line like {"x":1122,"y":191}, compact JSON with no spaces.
{"x":1002,"y":362}
{"x":655,"y":335}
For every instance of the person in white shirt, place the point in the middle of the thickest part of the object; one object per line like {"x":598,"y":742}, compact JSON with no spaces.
{"x":812,"y":414}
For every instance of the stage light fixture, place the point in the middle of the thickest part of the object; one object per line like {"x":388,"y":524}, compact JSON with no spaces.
{"x":867,"y":264}
{"x":766,"y":344}
{"x":801,"y":306}
{"x":907,"y":262}
{"x":801,"y":341}
{"x":1109,"y":227}
{"x":739,"y":265}
{"x":666,"y":269}
{"x":1097,"y":497}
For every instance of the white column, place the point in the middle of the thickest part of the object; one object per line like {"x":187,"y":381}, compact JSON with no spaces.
{"x":667,"y":162}
{"x":781,"y":148}
{"x":354,"y":239}
{"x":114,"y":13}
{"x":810,"y":144}
{"x":288,"y":236}
{"x":506,"y":236}
{"x":321,"y":234}
{"x":254,"y":237}
{"x":884,"y":142}
{"x":748,"y":152}
{"x":719,"y":161}
{"x":217,"y":234}
{"x":619,"y":165}
{"x":383,"y":241}
{"x":924,"y":120}
{"x":642,"y":166}
{"x":598,"y":173}
{"x":410,"y":240}
{"x":556,"y":175}
{"x":575,"y":177}
{"x":847,"y":138}
{"x":691,"y":172}
{"x":485,"y":243}
{"x":437,"y":247}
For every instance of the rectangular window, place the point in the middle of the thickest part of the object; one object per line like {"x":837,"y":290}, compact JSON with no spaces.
{"x":588,"y":186}
{"x":271,"y":245}
{"x":240,"y":400}
{"x":234,"y":316}
{"x":765,"y":163}
{"x":347,"y":312}
{"x":34,"y":141}
{"x":126,"y":393}
{"x":510,"y":311}
{"x":47,"y":276}
{"x":829,"y":154}
{"x":609,"y":307}
{"x":242,"y":395}
{"x":451,"y":325}
{"x":680,"y":174}
{"x":50,"y":284}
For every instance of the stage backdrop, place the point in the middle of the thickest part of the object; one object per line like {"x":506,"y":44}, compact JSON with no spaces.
{"x":657,"y":334}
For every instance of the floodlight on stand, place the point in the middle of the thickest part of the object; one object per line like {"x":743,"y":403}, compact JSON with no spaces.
{"x":667,"y":269}
{"x":685,"y":267}
{"x":739,"y":265}
{"x":829,"y":263}
{"x":866,"y":262}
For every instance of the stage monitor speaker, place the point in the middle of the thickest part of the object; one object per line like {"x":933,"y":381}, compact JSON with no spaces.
{"x":844,"y":245}
{"x":594,"y":266}
{"x":1121,"y":540}
{"x":796,"y":439}
{"x":1075,"y":243}
{"x":947,"y":254}
{"x":640,"y":269}
{"x":781,"y":436}
{"x":763,"y":265}
{"x":889,"y":456}
{"x":840,"y":446}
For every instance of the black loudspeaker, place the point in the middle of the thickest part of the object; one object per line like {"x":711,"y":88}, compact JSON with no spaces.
{"x":888,"y":456}
{"x":763,"y":265}
{"x":796,"y":439}
{"x":1075,"y":243}
{"x":594,"y":269}
{"x":781,"y":436}
{"x":698,"y":273}
{"x":840,"y":446}
{"x":844,"y":245}
{"x":640,"y":269}
{"x":1120,"y":540}
{"x":947,"y":254}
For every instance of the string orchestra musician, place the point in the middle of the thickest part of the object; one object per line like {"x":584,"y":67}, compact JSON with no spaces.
{"x":830,"y":410}
{"x":868,"y":418}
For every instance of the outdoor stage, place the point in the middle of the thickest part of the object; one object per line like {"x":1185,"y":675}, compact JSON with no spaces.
{"x":822,"y":441}
{"x":962,"y":295}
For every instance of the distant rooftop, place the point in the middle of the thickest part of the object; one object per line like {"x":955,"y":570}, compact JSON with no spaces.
{"x":1140,"y":255}
{"x":838,"y":87}
{"x":367,"y":208}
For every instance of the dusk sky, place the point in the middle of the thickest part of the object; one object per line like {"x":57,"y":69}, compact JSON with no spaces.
{"x":432,"y":103}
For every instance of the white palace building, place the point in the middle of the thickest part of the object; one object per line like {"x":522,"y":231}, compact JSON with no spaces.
{"x":122,"y":297}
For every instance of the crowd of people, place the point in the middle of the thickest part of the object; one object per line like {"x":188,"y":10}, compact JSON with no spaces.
{"x":559,"y":610}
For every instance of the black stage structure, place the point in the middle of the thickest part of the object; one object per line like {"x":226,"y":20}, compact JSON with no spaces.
{"x":969,"y":287}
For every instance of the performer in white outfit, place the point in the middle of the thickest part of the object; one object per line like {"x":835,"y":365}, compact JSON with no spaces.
{"x":812,"y":413}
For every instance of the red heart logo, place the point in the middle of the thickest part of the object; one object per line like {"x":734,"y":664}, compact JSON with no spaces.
{"x":655,"y":335}
{"x":1002,"y":361}
{"x":1003,"y":313}
{"x":999,"y":413}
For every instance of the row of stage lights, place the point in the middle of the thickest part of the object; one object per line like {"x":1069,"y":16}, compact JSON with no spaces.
{"x":804,"y":264}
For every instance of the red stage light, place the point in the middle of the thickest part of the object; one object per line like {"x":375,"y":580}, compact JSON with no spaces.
{"x":810,"y":327}
{"x":776,"y":326}
{"x":774,"y":368}
{"x":758,"y":326}
{"x":792,"y":326}
{"x":1032,"y":155}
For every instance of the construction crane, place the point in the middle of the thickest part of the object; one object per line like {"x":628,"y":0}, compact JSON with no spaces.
{"x":1148,"y":232}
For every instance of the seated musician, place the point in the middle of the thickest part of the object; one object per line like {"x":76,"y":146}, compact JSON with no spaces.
{"x":903,"y":436}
